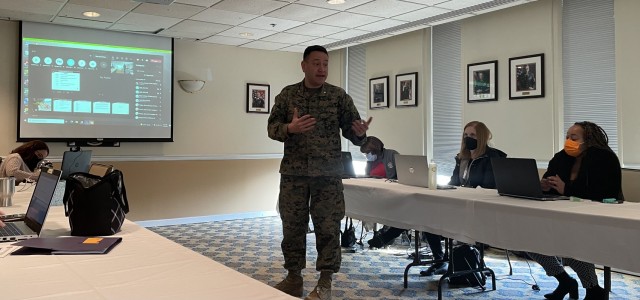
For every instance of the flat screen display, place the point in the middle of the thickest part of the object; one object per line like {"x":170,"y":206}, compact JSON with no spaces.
{"x":81,"y":84}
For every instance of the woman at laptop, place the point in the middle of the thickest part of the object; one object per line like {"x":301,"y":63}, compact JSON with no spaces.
{"x":473,"y":169}
{"x":381,"y":163}
{"x":586,"y":168}
{"x":22,"y":161}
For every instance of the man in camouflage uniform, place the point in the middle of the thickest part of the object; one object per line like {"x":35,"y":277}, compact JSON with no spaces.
{"x":308,"y":117}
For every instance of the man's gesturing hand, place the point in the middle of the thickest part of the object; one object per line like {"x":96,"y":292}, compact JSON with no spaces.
{"x":301,"y":124}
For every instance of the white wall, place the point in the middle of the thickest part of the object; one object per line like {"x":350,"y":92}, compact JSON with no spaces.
{"x":401,"y":128}
{"x":526,"y":127}
{"x":628,"y":79}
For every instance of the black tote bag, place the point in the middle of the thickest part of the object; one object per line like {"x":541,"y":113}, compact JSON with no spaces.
{"x":95,"y":205}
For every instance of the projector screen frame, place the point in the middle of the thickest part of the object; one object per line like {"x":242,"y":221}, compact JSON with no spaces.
{"x":112,"y":141}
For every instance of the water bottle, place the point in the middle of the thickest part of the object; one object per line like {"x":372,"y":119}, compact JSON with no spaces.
{"x":433,"y":175}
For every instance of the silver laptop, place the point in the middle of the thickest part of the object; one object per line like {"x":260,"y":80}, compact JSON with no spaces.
{"x":31,"y":225}
{"x":412,"y":170}
{"x":518,"y":177}
{"x":75,"y":161}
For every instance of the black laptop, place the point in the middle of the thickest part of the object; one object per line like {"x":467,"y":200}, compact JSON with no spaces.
{"x":75,"y":161}
{"x":518,"y":177}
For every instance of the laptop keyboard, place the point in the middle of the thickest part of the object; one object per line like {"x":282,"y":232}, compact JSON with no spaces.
{"x":9,"y":229}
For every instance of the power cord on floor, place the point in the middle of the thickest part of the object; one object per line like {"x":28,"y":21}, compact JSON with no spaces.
{"x":534,"y":286}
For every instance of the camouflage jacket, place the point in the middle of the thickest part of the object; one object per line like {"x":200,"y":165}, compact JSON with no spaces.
{"x":317,"y":152}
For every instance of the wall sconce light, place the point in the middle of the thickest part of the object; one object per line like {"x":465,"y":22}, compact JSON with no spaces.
{"x":191,"y":86}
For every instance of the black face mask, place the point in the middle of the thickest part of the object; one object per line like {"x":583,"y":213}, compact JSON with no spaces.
{"x":470,"y":143}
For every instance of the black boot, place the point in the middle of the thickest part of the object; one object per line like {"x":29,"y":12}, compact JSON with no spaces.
{"x":383,"y":239}
{"x":566,"y":285}
{"x":595,"y":293}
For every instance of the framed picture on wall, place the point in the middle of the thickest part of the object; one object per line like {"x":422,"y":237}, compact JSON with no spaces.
{"x":526,"y":76}
{"x":482,"y":83}
{"x":258,"y":98}
{"x":379,"y":92}
{"x":407,"y":89}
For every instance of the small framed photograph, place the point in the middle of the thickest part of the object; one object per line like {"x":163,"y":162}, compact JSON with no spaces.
{"x":526,"y":76}
{"x":258,"y":98}
{"x":407,"y":89}
{"x":482,"y":84}
{"x":379,"y":92}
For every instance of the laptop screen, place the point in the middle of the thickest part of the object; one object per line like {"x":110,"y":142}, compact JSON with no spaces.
{"x":41,"y":198}
{"x":75,"y":161}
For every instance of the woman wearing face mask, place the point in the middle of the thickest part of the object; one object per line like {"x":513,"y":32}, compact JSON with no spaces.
{"x":473,"y":169}
{"x":586,"y":168}
{"x":22,"y":161}
{"x":381,"y":163}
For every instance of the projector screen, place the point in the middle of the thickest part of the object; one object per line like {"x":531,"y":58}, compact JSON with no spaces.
{"x":85,"y":85}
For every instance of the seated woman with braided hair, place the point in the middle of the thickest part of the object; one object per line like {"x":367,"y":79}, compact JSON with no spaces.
{"x":586,"y":168}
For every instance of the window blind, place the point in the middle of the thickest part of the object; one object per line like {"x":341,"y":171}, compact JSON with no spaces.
{"x":588,"y":65}
{"x":356,"y":86}
{"x":447,"y":95}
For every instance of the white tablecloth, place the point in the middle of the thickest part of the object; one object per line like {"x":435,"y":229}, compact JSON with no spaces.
{"x":605,"y":234}
{"x":144,"y":266}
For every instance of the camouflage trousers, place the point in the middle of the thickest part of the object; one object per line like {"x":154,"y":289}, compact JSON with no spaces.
{"x":323,"y":199}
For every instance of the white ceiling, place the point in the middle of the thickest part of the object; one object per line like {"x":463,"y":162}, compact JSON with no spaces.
{"x":284,"y":25}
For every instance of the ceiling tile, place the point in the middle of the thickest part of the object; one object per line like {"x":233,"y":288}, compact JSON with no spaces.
{"x":301,"y":13}
{"x":123,"y":5}
{"x":175,"y":10}
{"x":253,"y":7}
{"x":288,"y":38}
{"x":205,"y":3}
{"x":426,"y":2}
{"x":459,"y":4}
{"x":24,"y":16}
{"x":75,"y":11}
{"x":223,"y":17}
{"x":81,"y":22}
{"x":319,"y":41}
{"x":317,"y":30}
{"x":347,"y":34}
{"x":348,"y":20}
{"x":194,"y":29}
{"x":456,"y":18}
{"x":144,"y":23}
{"x":255,"y":34}
{"x":39,"y":7}
{"x":386,"y":8}
{"x":382,"y":24}
{"x":265,"y":45}
{"x":273,"y":24}
{"x":225,"y":40}
{"x":422,"y":14}
{"x":294,"y":48}
{"x":322,"y":3}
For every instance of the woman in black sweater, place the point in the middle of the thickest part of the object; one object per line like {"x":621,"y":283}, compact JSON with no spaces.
{"x":586,"y":168}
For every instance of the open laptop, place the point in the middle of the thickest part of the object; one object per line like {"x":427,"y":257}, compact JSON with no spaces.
{"x":75,"y":161}
{"x":412,"y":170}
{"x":31,"y":225}
{"x":518,"y":177}
{"x":347,"y":167}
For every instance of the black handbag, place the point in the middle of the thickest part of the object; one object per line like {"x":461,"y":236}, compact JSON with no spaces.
{"x":95,"y":205}
{"x":348,"y":237}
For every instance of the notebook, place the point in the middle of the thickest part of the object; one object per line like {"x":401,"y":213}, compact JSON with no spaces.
{"x":31,"y":225}
{"x":518,"y":177}
{"x":75,"y":161}
{"x":412,"y":170}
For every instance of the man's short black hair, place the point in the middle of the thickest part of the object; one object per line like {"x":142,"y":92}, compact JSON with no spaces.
{"x":312,"y":49}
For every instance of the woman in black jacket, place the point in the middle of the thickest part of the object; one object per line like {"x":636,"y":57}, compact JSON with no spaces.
{"x":473,"y":169}
{"x":586,"y":168}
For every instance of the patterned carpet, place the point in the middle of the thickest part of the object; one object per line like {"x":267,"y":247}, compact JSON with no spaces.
{"x":252,"y":247}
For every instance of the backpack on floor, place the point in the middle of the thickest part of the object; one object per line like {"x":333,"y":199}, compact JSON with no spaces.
{"x":467,"y":257}
{"x":348,"y":236}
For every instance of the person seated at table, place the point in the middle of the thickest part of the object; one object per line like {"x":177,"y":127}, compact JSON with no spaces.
{"x":22,"y":161}
{"x":586,"y":168}
{"x":381,"y":163}
{"x":473,"y":169}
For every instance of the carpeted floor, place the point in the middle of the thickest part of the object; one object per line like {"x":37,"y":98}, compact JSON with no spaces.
{"x":252,"y":247}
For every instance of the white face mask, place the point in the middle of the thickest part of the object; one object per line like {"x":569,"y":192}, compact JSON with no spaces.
{"x":371,"y":157}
